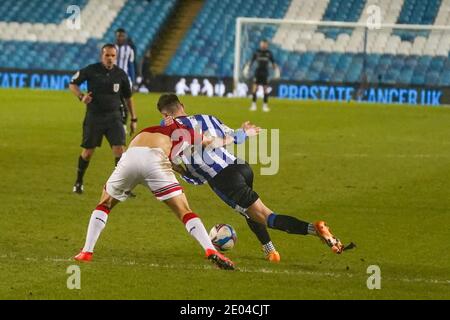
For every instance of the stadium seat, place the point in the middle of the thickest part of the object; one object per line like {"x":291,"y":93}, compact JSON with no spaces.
{"x":346,"y":11}
{"x":211,"y":17}
{"x":208,"y":47}
{"x":141,"y":19}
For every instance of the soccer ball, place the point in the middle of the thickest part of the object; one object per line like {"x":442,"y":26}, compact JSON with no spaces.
{"x":223,"y":237}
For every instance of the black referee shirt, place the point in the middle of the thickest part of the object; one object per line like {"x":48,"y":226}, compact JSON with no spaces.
{"x":106,"y":86}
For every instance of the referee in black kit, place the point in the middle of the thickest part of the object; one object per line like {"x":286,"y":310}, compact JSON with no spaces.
{"x":106,"y":84}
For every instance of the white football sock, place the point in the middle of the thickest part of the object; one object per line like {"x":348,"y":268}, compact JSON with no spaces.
{"x":268,"y":248}
{"x":96,"y":225}
{"x":196,"y":229}
{"x":312,"y":229}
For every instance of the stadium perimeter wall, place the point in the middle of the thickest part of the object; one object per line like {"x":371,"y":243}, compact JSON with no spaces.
{"x":373,"y":93}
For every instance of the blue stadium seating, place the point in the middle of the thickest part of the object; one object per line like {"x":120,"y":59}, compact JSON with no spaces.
{"x":417,"y":12}
{"x":344,"y":67}
{"x":208,"y":48}
{"x":141,"y":19}
{"x":337,"y":10}
{"x":36,"y":11}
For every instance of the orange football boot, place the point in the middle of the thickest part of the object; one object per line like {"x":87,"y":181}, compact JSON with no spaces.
{"x":324,"y":232}
{"x":273,"y":256}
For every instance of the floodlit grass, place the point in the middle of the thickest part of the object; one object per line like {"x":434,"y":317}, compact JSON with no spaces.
{"x":379,"y":175}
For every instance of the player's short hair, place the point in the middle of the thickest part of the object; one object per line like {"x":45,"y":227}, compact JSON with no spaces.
{"x":121,"y":30}
{"x":108,"y":46}
{"x":168,"y":102}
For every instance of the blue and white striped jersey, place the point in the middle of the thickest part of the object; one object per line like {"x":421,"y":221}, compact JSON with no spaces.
{"x":125,"y":60}
{"x":203,"y":167}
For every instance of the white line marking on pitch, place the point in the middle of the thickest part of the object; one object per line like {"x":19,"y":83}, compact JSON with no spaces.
{"x":241,"y":269}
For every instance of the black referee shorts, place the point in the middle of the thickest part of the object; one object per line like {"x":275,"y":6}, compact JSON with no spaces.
{"x":95,"y":126}
{"x":234,"y":185}
{"x":261,"y":77}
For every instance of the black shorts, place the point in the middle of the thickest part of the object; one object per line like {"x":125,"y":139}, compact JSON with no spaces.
{"x":261,"y":77}
{"x":95,"y":126}
{"x":234,"y":185}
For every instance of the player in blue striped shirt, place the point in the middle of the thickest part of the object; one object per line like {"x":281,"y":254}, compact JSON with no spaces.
{"x":125,"y":61}
{"x":232,"y":178}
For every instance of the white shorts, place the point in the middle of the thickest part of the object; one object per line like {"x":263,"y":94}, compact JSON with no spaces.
{"x":147,"y":166}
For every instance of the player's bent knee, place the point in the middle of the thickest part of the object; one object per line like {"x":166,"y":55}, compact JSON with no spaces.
{"x":257,"y":217}
{"x":259,"y":212}
{"x":107,"y":200}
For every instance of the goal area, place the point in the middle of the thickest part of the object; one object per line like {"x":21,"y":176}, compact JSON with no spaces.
{"x":346,"y":53}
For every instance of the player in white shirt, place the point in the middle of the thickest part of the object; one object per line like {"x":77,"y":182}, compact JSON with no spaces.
{"x":195,"y":87}
{"x":181,"y":88}
{"x":219,"y":89}
{"x":208,"y":88}
{"x":148,"y":161}
{"x":242,"y":90}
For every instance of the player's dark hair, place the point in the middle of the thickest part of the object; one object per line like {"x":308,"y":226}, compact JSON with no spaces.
{"x":168,"y":102}
{"x":108,"y":46}
{"x":121,"y":30}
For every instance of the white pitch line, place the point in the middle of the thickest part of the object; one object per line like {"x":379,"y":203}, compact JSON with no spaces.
{"x":241,"y":269}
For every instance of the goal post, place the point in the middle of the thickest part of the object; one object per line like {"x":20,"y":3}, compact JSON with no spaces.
{"x":343,"y":52}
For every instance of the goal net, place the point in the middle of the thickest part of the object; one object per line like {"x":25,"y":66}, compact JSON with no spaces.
{"x":350,"y":53}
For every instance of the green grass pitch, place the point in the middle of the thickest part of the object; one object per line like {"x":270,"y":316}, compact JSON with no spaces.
{"x":379,"y":175}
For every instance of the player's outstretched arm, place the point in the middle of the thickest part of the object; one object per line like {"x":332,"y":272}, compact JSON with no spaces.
{"x":250,"y":129}
{"x":216,"y":142}
{"x":233,"y":136}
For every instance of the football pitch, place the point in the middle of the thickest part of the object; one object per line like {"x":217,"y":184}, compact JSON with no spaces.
{"x":379,"y":175}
